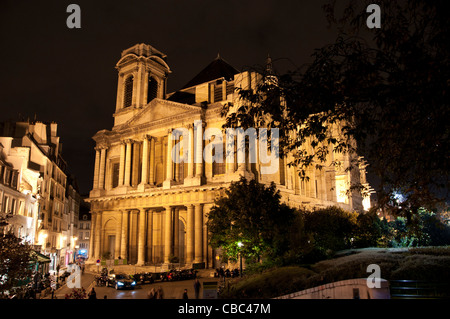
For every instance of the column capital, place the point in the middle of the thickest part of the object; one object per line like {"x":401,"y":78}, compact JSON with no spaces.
{"x":101,"y":147}
{"x":147,"y":137}
{"x":127,"y":141}
{"x":199,"y":121}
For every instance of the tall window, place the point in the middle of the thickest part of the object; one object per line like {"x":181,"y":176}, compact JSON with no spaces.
{"x":152,"y":91}
{"x":115,"y":175}
{"x":128,"y":92}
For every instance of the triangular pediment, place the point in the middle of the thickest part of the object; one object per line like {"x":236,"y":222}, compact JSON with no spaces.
{"x":159,"y":109}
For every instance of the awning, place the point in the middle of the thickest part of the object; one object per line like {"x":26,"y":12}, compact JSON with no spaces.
{"x":42,"y":259}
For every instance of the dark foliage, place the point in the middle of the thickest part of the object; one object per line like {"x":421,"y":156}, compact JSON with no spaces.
{"x":386,"y":90}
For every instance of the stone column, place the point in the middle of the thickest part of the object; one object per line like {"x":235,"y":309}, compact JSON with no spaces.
{"x":169,"y":163}
{"x":92,"y":237}
{"x":122,"y":163}
{"x":207,"y":250}
{"x":139,"y":86}
{"x":119,"y":100}
{"x":176,"y":232}
{"x":98,"y":234}
{"x":135,"y":87}
{"x":101,"y":180}
{"x":167,"y":234}
{"x":124,"y":239}
{"x":150,"y":236}
{"x":199,"y":150}
{"x":152,"y":161}
{"x":191,"y":151}
{"x":97,"y":167}
{"x":229,"y":154}
{"x":241,"y":152}
{"x":198,"y":233}
{"x":169,"y":156}
{"x":176,"y":160}
{"x":190,"y":234}
{"x":141,"y":238}
{"x":128,"y":163}
{"x":145,"y":78}
{"x":144,"y":177}
{"x":135,"y":158}
{"x":118,"y":235}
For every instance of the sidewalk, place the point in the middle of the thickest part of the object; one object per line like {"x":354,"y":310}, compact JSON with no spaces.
{"x":86,"y":282}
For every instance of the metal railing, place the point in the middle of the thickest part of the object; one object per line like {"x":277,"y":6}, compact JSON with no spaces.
{"x":419,"y":289}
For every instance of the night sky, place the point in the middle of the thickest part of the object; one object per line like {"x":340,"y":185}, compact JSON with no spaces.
{"x":69,"y":76}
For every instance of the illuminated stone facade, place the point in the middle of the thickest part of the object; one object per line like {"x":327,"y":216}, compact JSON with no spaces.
{"x":153,"y":188}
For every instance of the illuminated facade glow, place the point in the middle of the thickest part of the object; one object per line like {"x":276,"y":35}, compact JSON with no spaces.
{"x":150,"y":196}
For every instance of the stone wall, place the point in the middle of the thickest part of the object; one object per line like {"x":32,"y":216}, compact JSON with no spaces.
{"x":345,"y":289}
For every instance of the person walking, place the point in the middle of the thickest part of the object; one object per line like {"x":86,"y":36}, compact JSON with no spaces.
{"x":185,"y":294}
{"x":160,"y":293}
{"x":152,"y":294}
{"x":92,"y":294}
{"x":196,"y":288}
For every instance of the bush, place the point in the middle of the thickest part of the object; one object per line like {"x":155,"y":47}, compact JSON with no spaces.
{"x":270,"y":283}
{"x":424,"y":267}
{"x":428,"y":264}
{"x":424,"y":229}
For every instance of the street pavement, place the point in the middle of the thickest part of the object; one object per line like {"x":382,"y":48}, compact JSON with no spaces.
{"x":172,"y":290}
{"x":87,"y":280}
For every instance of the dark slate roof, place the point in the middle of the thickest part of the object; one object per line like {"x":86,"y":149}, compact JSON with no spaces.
{"x":182,"y":97}
{"x":215,"y":70}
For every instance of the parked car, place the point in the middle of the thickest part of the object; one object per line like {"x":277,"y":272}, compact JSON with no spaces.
{"x":143,"y":278}
{"x":121,"y":281}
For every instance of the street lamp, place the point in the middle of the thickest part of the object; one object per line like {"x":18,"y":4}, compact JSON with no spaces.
{"x":240,"y":244}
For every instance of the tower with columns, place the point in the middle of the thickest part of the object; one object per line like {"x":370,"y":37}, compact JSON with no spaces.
{"x":154,"y":181}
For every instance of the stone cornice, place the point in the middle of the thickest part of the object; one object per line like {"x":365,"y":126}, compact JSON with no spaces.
{"x":160,"y":191}
{"x":180,"y":196}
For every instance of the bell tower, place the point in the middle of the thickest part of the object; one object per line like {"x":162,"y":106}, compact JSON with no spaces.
{"x":143,"y":73}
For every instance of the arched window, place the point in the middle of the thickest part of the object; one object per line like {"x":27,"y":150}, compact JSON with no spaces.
{"x":128,"y":92}
{"x":152,"y":91}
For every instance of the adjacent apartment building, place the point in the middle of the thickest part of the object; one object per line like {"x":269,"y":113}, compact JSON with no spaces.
{"x":41,"y":202}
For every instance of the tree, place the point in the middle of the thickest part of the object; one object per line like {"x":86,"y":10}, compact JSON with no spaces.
{"x":332,"y":228}
{"x":387,"y":96}
{"x":252,"y":214}
{"x":15,"y":262}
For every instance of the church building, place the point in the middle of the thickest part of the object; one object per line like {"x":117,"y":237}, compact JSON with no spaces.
{"x":158,"y":170}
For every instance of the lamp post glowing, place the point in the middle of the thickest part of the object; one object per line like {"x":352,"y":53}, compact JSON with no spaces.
{"x":240,"y":244}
